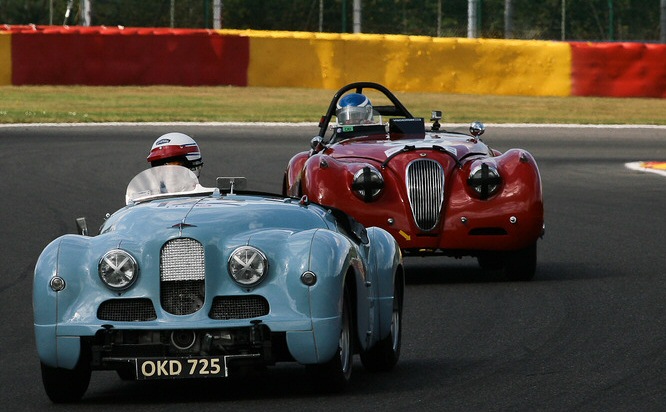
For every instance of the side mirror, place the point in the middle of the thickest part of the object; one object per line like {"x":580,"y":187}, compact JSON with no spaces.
{"x":316,"y":143}
{"x":81,"y":226}
{"x":477,"y":129}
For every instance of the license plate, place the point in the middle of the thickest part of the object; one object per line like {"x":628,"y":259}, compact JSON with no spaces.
{"x":178,"y":368}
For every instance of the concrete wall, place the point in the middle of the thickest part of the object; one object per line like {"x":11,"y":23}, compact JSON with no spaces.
{"x":409,"y":63}
{"x":5,"y":58}
{"x":56,"y":55}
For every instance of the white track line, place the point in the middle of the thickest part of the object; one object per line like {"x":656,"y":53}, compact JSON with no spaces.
{"x":638,"y":166}
{"x":310,"y":124}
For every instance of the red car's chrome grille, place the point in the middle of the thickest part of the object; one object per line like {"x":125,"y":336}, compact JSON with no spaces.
{"x":238,"y":307}
{"x":127,"y":310}
{"x":182,"y":276}
{"x":425,"y":188}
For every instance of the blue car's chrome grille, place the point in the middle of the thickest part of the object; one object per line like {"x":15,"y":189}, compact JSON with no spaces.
{"x":182,"y":276}
{"x":127,"y":310}
{"x":425,"y":188}
{"x":238,"y":307}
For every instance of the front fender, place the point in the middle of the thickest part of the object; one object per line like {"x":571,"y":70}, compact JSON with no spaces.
{"x":65,"y":257}
{"x":325,"y":178}
{"x":386,"y":264}
{"x":519,"y":199}
{"x":330,"y":259}
{"x":293,"y":173}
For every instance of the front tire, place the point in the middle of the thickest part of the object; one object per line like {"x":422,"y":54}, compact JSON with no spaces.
{"x":520,"y":265}
{"x":385,"y":354}
{"x":490,"y":261}
{"x":334,"y":375}
{"x":66,"y":385}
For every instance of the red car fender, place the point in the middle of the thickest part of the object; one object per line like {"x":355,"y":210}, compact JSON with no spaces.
{"x":519,"y":171}
{"x":292,"y":175}
{"x":520,"y":195}
{"x":322,"y":168}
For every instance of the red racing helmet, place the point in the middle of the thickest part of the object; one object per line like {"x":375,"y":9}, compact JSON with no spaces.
{"x":177,"y":148}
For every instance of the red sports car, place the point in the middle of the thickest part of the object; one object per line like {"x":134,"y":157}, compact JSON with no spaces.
{"x":436,"y":192}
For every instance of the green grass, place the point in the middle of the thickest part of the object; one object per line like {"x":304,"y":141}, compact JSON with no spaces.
{"x":73,"y":104}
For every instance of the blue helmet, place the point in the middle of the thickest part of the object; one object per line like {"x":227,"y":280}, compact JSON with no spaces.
{"x":354,"y":108}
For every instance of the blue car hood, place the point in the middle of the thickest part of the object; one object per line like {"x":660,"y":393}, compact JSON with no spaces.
{"x":232,"y":214}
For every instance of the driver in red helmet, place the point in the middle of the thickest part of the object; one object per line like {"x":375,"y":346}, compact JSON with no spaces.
{"x":176,"y":149}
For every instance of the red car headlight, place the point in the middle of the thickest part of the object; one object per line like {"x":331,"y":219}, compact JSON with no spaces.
{"x":485,"y":180}
{"x":368,"y":184}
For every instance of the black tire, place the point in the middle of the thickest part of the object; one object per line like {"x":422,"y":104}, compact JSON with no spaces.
{"x":521,"y":264}
{"x":490,"y":261}
{"x":334,"y":375}
{"x":66,"y":385}
{"x":385,"y":354}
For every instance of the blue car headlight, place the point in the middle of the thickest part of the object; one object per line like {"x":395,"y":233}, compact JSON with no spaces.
{"x":118,"y":269}
{"x":247,"y":265}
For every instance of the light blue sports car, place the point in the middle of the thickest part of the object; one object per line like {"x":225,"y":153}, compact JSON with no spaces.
{"x":194,"y":282}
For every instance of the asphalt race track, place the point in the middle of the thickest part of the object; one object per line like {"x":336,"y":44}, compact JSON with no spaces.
{"x":587,"y":334}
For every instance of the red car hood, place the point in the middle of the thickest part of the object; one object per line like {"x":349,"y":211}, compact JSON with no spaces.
{"x":381,"y":147}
